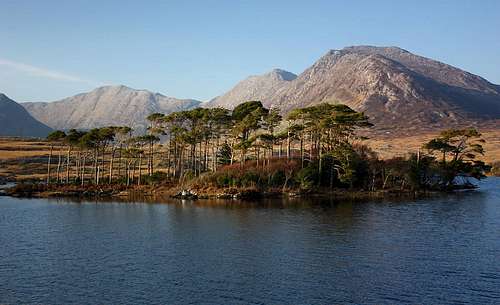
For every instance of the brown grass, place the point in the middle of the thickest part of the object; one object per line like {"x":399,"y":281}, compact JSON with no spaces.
{"x":15,"y":148}
{"x":388,"y":146}
{"x":15,"y":154}
{"x":20,"y":158}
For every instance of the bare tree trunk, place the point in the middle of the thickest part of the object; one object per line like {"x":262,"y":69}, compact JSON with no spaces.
{"x":176,"y":160}
{"x":232,"y":153}
{"x":111,"y":163}
{"x":133,"y":170}
{"x":98,"y":174}
{"x":385,"y":181}
{"x":168,"y":157}
{"x":214,"y":155}
{"x":140,"y":170}
{"x":301,"y":152}
{"x":83,"y":169}
{"x":77,"y":169}
{"x":120,"y":161}
{"x":48,"y":164}
{"x":59,"y":161}
{"x":311,"y":148}
{"x":181,"y":162}
{"x":127,"y":170}
{"x":205,"y":163}
{"x":193,"y":157}
{"x":288,"y":148}
{"x":96,"y":156}
{"x":152,"y":159}
{"x":101,"y":166}
{"x":68,"y":164}
{"x":200,"y":154}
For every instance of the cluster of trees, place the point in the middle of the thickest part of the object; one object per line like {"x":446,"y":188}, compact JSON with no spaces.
{"x":317,"y":143}
{"x":96,"y":154}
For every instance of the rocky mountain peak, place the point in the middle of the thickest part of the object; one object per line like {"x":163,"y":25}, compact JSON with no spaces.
{"x":282,"y":75}
{"x":256,"y":87}
{"x":393,"y":86}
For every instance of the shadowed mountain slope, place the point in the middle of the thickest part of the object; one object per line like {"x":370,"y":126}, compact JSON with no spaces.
{"x":16,"y":121}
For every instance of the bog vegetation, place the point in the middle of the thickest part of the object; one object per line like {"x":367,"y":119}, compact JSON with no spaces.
{"x":316,"y":147}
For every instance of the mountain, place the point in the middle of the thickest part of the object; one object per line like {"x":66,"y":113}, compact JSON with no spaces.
{"x":394,"y":87}
{"x":256,"y":87}
{"x":16,"y":121}
{"x":106,"y":106}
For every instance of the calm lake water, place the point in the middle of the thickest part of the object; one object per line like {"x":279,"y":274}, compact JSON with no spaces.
{"x":431,"y":251}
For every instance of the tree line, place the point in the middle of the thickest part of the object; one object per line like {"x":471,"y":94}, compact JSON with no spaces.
{"x":316,"y":146}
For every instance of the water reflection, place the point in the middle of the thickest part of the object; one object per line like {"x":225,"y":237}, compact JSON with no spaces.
{"x":315,"y":251}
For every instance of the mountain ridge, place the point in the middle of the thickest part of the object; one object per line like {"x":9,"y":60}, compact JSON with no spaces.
{"x":105,"y":106}
{"x":16,"y":121}
{"x":394,"y":87}
{"x":254,"y":87}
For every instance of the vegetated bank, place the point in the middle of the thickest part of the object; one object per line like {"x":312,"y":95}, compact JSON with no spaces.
{"x":250,"y":152}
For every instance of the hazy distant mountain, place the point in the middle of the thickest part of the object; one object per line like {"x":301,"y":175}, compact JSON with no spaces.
{"x":257,"y":87}
{"x":394,"y":87}
{"x":106,"y":106}
{"x":16,"y":121}
{"x":397,"y":89}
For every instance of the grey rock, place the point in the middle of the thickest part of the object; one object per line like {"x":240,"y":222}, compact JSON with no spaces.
{"x":257,"y":87}
{"x":106,"y":106}
{"x":392,"y":86}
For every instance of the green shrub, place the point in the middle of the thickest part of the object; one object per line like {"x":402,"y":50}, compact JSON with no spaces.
{"x":249,"y":179}
{"x":224,"y":180}
{"x":307,"y":177}
{"x":277,"y":179}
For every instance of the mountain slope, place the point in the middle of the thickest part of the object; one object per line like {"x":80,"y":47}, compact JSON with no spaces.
{"x":394,"y":87}
{"x":257,"y":87}
{"x":106,"y":106}
{"x":16,"y":121}
{"x":433,"y":69}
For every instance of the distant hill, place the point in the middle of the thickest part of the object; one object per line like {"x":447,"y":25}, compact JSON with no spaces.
{"x":16,"y":121}
{"x":257,"y":87}
{"x":396,"y":88}
{"x":106,"y":106}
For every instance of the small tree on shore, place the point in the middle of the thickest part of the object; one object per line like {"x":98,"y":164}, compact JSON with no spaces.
{"x":459,"y":149}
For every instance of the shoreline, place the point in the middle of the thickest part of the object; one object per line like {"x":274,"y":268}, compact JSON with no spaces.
{"x":169,"y":192}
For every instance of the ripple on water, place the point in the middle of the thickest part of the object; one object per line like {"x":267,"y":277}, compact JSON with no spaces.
{"x":432,"y":251}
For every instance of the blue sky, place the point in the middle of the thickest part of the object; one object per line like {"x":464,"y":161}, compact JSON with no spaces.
{"x":199,"y":49}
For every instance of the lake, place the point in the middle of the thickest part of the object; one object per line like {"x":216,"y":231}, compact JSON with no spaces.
{"x":444,"y":250}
